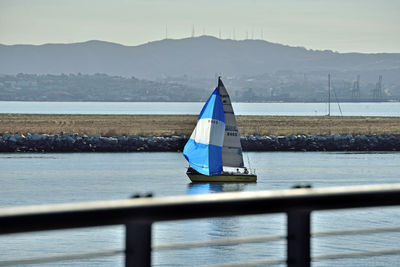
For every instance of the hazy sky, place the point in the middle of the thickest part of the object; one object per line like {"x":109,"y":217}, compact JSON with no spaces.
{"x":339,"y":25}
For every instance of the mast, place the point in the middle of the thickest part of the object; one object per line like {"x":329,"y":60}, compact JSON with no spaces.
{"x":329,"y":94}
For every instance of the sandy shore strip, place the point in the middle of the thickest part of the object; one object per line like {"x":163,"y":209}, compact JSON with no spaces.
{"x":167,"y":125}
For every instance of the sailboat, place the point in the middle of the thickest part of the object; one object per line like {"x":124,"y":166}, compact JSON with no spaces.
{"x":214,"y":151}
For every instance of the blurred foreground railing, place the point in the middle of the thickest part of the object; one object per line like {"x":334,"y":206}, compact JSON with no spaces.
{"x":138,"y":215}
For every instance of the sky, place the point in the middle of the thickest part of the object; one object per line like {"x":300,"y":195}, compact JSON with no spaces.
{"x":366,"y":26}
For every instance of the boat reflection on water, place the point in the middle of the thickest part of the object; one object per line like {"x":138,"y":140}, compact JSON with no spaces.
{"x":215,"y":228}
{"x":208,"y":188}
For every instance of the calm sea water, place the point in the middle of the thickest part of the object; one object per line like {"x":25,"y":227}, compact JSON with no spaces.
{"x":28,"y":179}
{"x":282,"y":109}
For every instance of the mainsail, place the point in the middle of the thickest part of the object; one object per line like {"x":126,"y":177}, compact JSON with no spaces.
{"x":204,"y":148}
{"x":232,"y":149}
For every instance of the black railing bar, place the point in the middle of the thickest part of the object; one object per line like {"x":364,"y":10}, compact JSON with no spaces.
{"x":249,"y":264}
{"x":148,"y":210}
{"x":58,"y":258}
{"x":357,"y":231}
{"x":356,"y":254}
{"x":219,"y":242}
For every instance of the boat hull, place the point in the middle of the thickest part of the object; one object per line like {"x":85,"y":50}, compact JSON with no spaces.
{"x":225,"y":177}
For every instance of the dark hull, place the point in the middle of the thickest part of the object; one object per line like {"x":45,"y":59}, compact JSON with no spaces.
{"x":224,"y":177}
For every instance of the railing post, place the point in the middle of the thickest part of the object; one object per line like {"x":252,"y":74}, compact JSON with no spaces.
{"x":298,"y":239}
{"x":138,"y":245}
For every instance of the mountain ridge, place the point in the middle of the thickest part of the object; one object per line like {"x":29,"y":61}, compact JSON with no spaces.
{"x":202,"y":56}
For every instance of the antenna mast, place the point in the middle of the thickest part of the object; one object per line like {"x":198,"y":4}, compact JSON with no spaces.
{"x":329,"y":94}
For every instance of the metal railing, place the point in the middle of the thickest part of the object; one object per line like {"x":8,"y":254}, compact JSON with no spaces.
{"x":139,"y":214}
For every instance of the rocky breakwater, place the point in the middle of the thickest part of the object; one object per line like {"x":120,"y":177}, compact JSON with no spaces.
{"x":88,"y":143}
{"x":132,"y":143}
{"x":383,"y":142}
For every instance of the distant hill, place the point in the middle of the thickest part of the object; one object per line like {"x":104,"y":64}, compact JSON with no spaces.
{"x":195,"y":57}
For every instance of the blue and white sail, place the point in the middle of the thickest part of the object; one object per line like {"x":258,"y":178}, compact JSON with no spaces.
{"x":204,"y":148}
